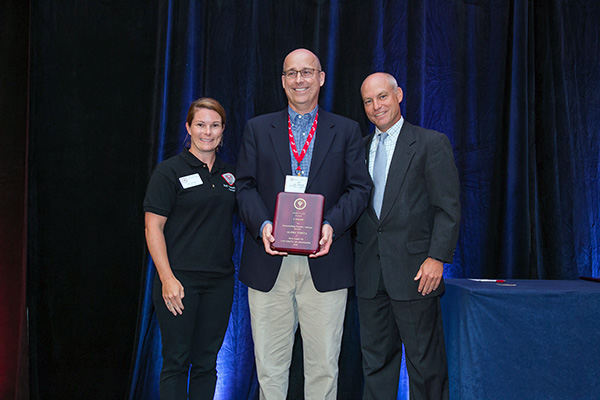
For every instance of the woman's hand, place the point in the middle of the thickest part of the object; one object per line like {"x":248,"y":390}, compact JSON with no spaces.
{"x":173,"y":294}
{"x":172,"y":290}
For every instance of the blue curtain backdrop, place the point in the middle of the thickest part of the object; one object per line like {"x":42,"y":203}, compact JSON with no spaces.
{"x":515,"y":85}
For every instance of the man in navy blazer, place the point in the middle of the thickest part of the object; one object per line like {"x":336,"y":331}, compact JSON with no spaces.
{"x":408,"y":231}
{"x":323,"y":152}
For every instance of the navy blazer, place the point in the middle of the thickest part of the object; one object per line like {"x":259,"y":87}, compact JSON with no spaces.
{"x":337,"y":171}
{"x":420,"y":216}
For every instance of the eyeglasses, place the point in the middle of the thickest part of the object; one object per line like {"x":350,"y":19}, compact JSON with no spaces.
{"x":305,"y":73}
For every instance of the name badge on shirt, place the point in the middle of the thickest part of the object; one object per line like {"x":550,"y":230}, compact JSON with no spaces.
{"x":190,"y":180}
{"x":295,"y":184}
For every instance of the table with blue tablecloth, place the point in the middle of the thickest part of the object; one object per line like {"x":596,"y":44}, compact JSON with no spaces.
{"x":522,"y":339}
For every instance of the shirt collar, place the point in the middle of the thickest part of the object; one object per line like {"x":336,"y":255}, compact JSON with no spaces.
{"x":194,"y":162}
{"x":293,"y":113}
{"x":394,"y":130}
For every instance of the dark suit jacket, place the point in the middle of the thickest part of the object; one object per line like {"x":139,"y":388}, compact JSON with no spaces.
{"x":420,"y":216}
{"x":337,"y":171}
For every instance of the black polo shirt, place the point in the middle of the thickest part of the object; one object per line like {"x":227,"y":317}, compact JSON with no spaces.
{"x":199,"y":207}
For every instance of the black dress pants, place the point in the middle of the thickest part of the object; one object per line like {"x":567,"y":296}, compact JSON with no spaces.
{"x":191,"y":341}
{"x":385,"y":324}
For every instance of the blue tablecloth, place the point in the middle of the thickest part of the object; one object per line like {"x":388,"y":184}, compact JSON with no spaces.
{"x":522,"y":339}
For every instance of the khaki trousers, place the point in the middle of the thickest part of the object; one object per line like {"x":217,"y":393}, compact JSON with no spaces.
{"x":275,"y":316}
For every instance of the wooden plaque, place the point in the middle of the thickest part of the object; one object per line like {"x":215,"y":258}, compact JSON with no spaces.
{"x":297,"y":222}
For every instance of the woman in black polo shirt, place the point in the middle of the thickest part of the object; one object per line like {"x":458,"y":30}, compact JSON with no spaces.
{"x":189,"y":208}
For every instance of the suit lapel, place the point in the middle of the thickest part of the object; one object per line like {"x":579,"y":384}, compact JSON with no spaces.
{"x":367,"y":143}
{"x":278,"y":132}
{"x":323,"y":140}
{"x":403,"y":154}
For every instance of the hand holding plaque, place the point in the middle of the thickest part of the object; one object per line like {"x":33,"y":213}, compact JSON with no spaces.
{"x":297,"y":222}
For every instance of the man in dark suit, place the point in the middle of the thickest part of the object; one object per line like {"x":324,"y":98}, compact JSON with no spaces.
{"x":408,"y":231}
{"x":321,"y":153}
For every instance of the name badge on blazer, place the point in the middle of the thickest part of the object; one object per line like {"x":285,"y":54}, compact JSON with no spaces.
{"x":295,"y":184}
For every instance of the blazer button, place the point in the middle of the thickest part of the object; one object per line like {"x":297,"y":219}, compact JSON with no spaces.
{"x":378,"y":256}
{"x":379,"y":230}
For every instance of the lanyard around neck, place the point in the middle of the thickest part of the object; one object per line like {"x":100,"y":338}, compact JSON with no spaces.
{"x":311,"y":134}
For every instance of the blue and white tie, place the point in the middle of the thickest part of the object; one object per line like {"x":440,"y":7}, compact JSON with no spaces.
{"x":379,"y":167}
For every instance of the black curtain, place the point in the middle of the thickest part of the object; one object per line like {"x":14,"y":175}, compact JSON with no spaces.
{"x":93,"y":65}
{"x":514,"y":84}
{"x":14,"y":25}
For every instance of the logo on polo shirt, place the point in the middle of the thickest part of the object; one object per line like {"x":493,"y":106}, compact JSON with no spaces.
{"x":229,"y":178}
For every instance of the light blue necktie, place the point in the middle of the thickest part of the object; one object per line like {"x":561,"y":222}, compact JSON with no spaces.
{"x":379,"y":167}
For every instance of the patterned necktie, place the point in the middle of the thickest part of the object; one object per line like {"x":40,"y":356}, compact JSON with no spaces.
{"x":379,"y":167}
